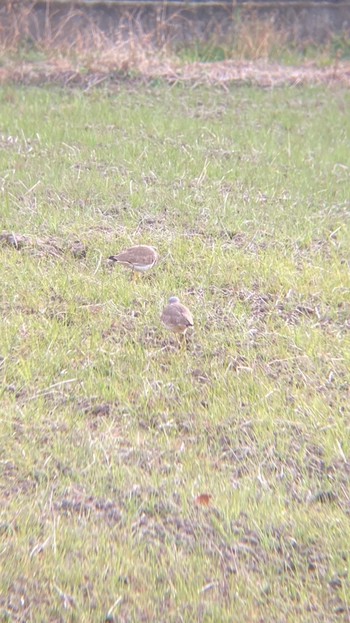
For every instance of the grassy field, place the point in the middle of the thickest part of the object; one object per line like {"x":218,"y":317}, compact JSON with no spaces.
{"x":109,"y":431}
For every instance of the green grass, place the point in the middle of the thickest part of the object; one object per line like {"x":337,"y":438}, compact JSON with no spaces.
{"x":108,"y":430}
{"x":262,"y":41}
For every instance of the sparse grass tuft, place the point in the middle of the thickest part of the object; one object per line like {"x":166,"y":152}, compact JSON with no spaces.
{"x":110,"y":432}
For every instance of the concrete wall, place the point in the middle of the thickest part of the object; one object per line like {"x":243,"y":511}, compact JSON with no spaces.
{"x":176,"y":21}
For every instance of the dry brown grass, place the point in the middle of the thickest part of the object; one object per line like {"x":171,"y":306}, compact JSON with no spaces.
{"x":70,"y":48}
{"x":258,"y":38}
{"x":91,"y":71}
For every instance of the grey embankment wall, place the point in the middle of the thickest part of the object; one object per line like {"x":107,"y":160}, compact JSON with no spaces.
{"x":172,"y":21}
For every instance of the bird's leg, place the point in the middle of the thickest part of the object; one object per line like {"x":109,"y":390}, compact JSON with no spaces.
{"x":182,"y":339}
{"x":134,"y":275}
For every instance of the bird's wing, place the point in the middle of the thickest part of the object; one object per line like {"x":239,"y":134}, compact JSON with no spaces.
{"x":177,"y":315}
{"x":186,"y":314}
{"x":135,"y":255}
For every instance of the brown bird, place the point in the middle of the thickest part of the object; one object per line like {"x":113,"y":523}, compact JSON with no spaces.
{"x":140,"y":258}
{"x":176,"y":317}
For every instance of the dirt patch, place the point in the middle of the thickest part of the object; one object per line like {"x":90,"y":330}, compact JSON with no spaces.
{"x":77,"y":503}
{"x":266,"y":74}
{"x":15,"y":483}
{"x":48,"y":246}
{"x":259,"y":73}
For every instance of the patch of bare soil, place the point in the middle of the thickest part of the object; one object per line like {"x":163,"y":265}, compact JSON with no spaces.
{"x":48,"y":246}
{"x":82,"y":505}
{"x":14,"y":483}
{"x":266,"y":74}
{"x":260,"y":73}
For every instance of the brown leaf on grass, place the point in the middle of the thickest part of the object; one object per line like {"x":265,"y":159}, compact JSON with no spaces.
{"x":204,"y":499}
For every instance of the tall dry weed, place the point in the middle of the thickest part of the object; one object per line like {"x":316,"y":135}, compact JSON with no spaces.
{"x":257,"y":38}
{"x":136,"y":43}
{"x":73,"y":34}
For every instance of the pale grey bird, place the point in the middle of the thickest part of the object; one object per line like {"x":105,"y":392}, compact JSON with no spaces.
{"x":177,"y":317}
{"x":139,"y":258}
